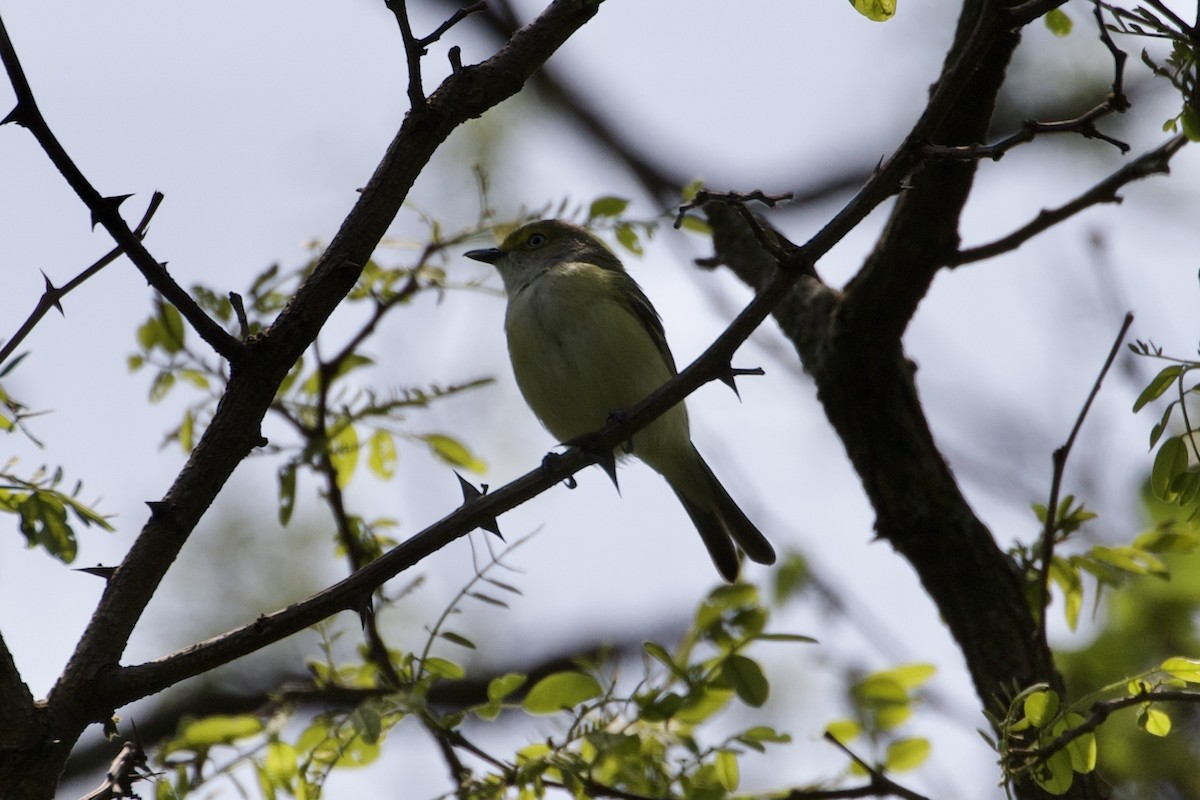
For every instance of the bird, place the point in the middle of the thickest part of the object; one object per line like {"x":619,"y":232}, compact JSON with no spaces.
{"x":585,"y":344}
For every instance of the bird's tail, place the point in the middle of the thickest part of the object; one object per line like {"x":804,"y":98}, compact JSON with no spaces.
{"x":720,"y":522}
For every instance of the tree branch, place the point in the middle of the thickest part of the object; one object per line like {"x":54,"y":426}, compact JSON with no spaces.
{"x":1153,"y":162}
{"x":255,"y":377}
{"x":105,"y":209}
{"x":16,"y":701}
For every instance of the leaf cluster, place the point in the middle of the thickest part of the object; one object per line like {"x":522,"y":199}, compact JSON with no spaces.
{"x":1051,"y":742}
{"x":883,"y":701}
{"x":646,"y":740}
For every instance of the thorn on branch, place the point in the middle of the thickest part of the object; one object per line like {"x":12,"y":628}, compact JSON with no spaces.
{"x":729,"y":376}
{"x":53,"y":294}
{"x":108,"y":205}
{"x":18,"y":115}
{"x":162,"y":510}
{"x":100,"y":571}
{"x":470,"y":495}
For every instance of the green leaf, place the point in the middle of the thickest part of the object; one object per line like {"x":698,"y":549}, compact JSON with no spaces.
{"x":1058,"y":22}
{"x":161,"y":385}
{"x":1191,"y":123}
{"x":607,"y":207}
{"x":453,"y":452}
{"x":1160,"y":427}
{"x":1172,"y":459}
{"x":1082,"y":749}
{"x":702,"y":703}
{"x":1165,"y":540}
{"x":764,"y":733}
{"x":219,"y":729}
{"x":1154,"y":721}
{"x":1056,"y":775}
{"x":1186,"y":669}
{"x":187,"y":430}
{"x":44,"y":523}
{"x":343,"y":454}
{"x":875,"y":10}
{"x":726,"y":767}
{"x":381,"y":454}
{"x":1158,"y":384}
{"x":746,"y":678}
{"x":786,"y":637}
{"x":1040,"y":707}
{"x":172,"y":328}
{"x":909,"y":676}
{"x":844,"y":730}
{"x":660,"y":654}
{"x":906,"y":754}
{"x":443,"y":668}
{"x":1129,"y":559}
{"x":501,"y":687}
{"x":280,"y":763}
{"x":562,"y":690}
{"x":691,"y":222}
{"x":458,"y":639}
{"x":628,"y":238}
{"x":366,"y":723}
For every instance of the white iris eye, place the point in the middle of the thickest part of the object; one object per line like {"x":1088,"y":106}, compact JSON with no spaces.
{"x":537,"y":240}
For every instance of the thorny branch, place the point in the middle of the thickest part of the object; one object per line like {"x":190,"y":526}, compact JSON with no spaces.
{"x":105,"y":209}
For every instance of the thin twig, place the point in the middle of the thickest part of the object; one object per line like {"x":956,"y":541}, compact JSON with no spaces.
{"x":455,"y":18}
{"x":1059,"y":461}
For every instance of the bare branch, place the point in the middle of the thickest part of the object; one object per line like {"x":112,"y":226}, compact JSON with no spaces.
{"x":104,"y":209}
{"x":1153,"y":162}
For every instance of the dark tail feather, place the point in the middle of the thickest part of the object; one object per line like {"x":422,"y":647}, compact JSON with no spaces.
{"x":716,"y":538}
{"x":743,"y":531}
{"x":721,"y":523}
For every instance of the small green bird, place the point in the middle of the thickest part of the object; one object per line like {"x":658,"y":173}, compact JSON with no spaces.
{"x":585,"y":343}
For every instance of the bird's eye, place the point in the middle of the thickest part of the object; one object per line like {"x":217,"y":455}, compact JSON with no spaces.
{"x":536,"y":240}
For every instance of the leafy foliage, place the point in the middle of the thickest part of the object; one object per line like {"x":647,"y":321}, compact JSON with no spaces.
{"x":648,"y":739}
{"x":45,"y":512}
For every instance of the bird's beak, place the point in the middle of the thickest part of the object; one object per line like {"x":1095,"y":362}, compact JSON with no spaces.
{"x":488,"y":255}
